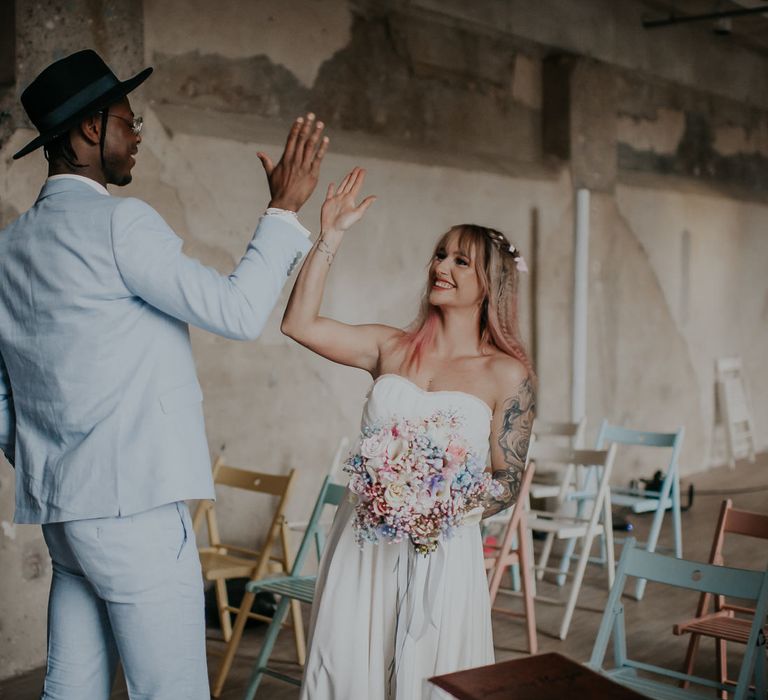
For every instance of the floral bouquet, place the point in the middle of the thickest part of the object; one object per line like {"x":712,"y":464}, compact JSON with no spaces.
{"x":416,"y":479}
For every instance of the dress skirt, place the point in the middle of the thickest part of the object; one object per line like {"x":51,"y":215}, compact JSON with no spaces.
{"x":386,"y":618}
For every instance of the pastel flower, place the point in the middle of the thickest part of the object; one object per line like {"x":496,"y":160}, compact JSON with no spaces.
{"x":395,"y":494}
{"x":375,"y":445}
{"x":396,"y":449}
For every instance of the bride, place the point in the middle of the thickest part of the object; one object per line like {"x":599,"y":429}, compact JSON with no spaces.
{"x":386,"y":618}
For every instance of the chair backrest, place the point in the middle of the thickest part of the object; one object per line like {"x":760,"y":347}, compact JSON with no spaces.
{"x":616,"y":434}
{"x":278,"y":485}
{"x":574,"y":432}
{"x":628,"y":436}
{"x":735,"y":522}
{"x":567,"y":458}
{"x":680,"y":573}
{"x":330,"y":494}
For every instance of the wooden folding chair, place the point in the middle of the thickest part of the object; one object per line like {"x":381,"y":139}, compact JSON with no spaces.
{"x":221,"y":561}
{"x":594,"y":520}
{"x":721,"y":621}
{"x":500,"y":556}
{"x":652,"y":680}
{"x":292,"y":588}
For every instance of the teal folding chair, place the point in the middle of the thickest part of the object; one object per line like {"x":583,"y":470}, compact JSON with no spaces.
{"x":292,"y":587}
{"x":662,"y":683}
{"x":642,"y":501}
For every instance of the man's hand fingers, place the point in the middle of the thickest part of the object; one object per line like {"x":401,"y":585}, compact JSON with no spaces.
{"x":293,"y":135}
{"x":315,"y":167}
{"x":266,"y":161}
{"x":311,"y":145}
{"x":306,"y":129}
{"x":330,"y":191}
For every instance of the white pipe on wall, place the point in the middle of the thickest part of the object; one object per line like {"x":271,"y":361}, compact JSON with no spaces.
{"x":580,"y":304}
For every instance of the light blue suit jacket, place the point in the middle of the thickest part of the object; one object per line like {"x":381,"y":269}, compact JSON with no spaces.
{"x":100,"y":407}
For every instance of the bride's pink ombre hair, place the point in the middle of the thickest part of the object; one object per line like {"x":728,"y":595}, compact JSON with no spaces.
{"x":498,"y":277}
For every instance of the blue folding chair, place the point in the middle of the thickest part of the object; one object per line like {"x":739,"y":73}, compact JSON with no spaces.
{"x":662,"y":683}
{"x":642,"y":501}
{"x":292,"y":587}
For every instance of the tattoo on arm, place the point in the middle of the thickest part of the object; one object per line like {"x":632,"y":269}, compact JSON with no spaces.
{"x":514,"y":436}
{"x":325,"y":249}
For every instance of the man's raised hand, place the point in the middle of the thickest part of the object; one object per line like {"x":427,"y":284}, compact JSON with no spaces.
{"x":294,"y":178}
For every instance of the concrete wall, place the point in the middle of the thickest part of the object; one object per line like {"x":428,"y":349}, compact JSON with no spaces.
{"x":460,"y":112}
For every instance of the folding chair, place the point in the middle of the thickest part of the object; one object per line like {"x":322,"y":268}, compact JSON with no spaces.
{"x":720,"y":621}
{"x":649,"y":501}
{"x":221,"y":561}
{"x":648,"y":679}
{"x":594,"y":520}
{"x":291,"y":588}
{"x":499,"y":557}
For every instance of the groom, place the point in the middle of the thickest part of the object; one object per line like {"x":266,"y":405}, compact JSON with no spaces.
{"x":100,"y":407}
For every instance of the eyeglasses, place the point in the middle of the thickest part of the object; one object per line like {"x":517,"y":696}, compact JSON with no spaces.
{"x":136,"y":124}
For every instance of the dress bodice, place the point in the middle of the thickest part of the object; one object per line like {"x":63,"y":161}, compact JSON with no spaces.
{"x":394,"y":396}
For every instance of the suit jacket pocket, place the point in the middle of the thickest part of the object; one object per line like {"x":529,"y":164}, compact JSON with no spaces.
{"x":180,"y":397}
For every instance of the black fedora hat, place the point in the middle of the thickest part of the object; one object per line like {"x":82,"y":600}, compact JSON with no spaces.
{"x":69,"y":90}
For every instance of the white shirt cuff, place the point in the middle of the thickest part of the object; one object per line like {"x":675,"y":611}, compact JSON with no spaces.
{"x":289,"y":216}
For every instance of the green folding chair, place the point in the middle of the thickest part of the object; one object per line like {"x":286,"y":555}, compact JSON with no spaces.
{"x":662,"y":683}
{"x":292,"y":587}
{"x":656,"y":502}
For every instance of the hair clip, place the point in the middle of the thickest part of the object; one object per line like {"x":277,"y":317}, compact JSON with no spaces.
{"x":520,"y":263}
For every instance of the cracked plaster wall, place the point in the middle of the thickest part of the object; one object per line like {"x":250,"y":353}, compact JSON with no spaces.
{"x":447,"y":135}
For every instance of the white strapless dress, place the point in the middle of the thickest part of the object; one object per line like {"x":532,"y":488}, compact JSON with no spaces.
{"x":386,"y":618}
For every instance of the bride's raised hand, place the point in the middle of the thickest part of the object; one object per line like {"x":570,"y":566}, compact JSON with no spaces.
{"x":339,"y":210}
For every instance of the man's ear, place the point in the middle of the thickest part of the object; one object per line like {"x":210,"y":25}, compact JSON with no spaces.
{"x":90,"y":129}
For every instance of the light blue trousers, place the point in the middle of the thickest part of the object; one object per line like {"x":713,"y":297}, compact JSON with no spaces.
{"x":128,"y":589}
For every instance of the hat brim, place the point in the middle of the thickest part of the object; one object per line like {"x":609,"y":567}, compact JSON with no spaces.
{"x":104,"y":100}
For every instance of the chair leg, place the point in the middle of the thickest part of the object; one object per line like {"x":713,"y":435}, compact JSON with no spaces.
{"x":565,"y":560}
{"x":222,"y":601}
{"x":266,"y":648}
{"x":653,"y":538}
{"x":607,"y":541}
{"x":722,"y":664}
{"x":531,"y":558}
{"x":546,"y":550}
{"x":690,"y":658}
{"x":514,"y":569}
{"x":578,"y":577}
{"x":495,"y":580}
{"x":234,"y":642}
{"x":527,"y":586}
{"x":298,"y":632}
{"x":676,"y":517}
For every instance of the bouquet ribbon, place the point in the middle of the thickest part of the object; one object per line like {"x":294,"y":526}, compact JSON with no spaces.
{"x":416,"y":614}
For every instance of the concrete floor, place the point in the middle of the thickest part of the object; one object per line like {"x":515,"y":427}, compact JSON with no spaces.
{"x":649,"y":622}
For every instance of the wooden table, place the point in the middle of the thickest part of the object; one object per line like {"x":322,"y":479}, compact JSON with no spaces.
{"x":543,"y":677}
